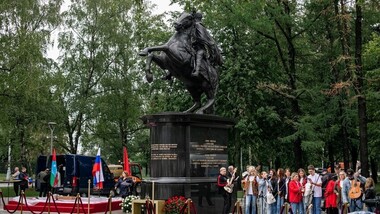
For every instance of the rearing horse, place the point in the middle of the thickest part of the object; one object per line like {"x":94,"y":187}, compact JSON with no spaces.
{"x":178,"y":57}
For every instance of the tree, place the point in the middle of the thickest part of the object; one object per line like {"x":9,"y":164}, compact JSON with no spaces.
{"x":103,"y":103}
{"x":25,"y":28}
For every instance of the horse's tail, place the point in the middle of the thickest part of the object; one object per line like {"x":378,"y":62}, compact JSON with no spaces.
{"x":216,"y":56}
{"x":213,"y":78}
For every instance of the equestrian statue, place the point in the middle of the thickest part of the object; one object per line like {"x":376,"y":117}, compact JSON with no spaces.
{"x":191,"y":56}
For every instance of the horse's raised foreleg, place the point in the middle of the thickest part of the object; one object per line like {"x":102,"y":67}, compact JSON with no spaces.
{"x":196,"y":95}
{"x":147,"y":50}
{"x":148,"y":73}
{"x":160,"y":61}
{"x":208,"y":107}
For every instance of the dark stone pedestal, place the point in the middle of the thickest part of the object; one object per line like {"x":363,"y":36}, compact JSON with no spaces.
{"x":187,"y":151}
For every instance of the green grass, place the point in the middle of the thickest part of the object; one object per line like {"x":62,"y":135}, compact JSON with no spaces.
{"x":8,"y":191}
{"x":30,"y":192}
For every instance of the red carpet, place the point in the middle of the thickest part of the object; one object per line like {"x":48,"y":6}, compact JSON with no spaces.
{"x":97,"y":204}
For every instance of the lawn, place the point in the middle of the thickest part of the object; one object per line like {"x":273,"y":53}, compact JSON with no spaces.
{"x":30,"y":192}
{"x":8,"y":191}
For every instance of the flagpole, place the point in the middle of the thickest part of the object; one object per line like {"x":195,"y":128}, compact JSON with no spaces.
{"x":88,"y":199}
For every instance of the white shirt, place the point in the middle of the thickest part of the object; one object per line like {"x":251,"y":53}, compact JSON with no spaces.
{"x":316,"y":179}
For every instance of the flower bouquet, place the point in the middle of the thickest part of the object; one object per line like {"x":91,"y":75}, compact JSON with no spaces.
{"x":174,"y":204}
{"x":126,"y":204}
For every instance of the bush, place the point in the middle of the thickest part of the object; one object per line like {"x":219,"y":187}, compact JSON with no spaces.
{"x":126,"y":204}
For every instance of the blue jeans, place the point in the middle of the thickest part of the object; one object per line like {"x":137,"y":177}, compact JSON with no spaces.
{"x":297,"y":207}
{"x":280,"y":202}
{"x":272,"y":208}
{"x":356,"y":205}
{"x":250,"y":204}
{"x":317,"y":205}
{"x":371,"y":209}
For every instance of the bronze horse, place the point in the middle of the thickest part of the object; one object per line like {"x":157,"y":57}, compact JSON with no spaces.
{"x":178,"y":57}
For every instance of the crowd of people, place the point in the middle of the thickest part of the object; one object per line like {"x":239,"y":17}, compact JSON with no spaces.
{"x":303,"y":192}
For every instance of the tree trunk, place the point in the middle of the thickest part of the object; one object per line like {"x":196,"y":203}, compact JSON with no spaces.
{"x":344,"y":34}
{"x":362,"y":107}
{"x":21,"y":135}
{"x":343,"y":135}
{"x":374,"y":169}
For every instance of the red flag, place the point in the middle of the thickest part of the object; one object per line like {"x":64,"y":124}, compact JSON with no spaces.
{"x":126,"y":160}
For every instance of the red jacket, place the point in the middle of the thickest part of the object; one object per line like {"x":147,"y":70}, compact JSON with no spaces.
{"x":295,"y":193}
{"x":330,"y":196}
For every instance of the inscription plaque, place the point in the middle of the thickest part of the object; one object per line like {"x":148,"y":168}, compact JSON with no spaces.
{"x":208,"y":160}
{"x":208,"y":146}
{"x":164,"y":157}
{"x":164,"y":147}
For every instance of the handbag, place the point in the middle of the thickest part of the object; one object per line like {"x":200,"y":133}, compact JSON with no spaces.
{"x":270,"y":198}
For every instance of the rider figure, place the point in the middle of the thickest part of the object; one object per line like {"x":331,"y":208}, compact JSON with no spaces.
{"x":204,"y":45}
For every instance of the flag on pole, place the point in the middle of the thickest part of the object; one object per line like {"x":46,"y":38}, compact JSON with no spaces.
{"x":53,"y":173}
{"x":97,"y":172}
{"x":126,"y":161}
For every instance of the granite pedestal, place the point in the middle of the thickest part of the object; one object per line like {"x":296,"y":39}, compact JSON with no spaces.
{"x":187,"y":151}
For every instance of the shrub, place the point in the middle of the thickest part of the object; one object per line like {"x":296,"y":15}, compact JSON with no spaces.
{"x":174,"y":204}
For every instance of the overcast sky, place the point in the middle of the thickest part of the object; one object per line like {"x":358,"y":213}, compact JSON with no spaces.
{"x":162,"y":6}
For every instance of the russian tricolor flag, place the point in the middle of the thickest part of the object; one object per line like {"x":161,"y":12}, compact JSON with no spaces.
{"x":97,"y":172}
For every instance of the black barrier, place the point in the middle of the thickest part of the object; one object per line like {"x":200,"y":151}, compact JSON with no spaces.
{"x":27,"y":206}
{"x":18,"y":204}
{"x":189,"y":206}
{"x":149,"y":206}
{"x":79,"y":201}
{"x":109,"y":205}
